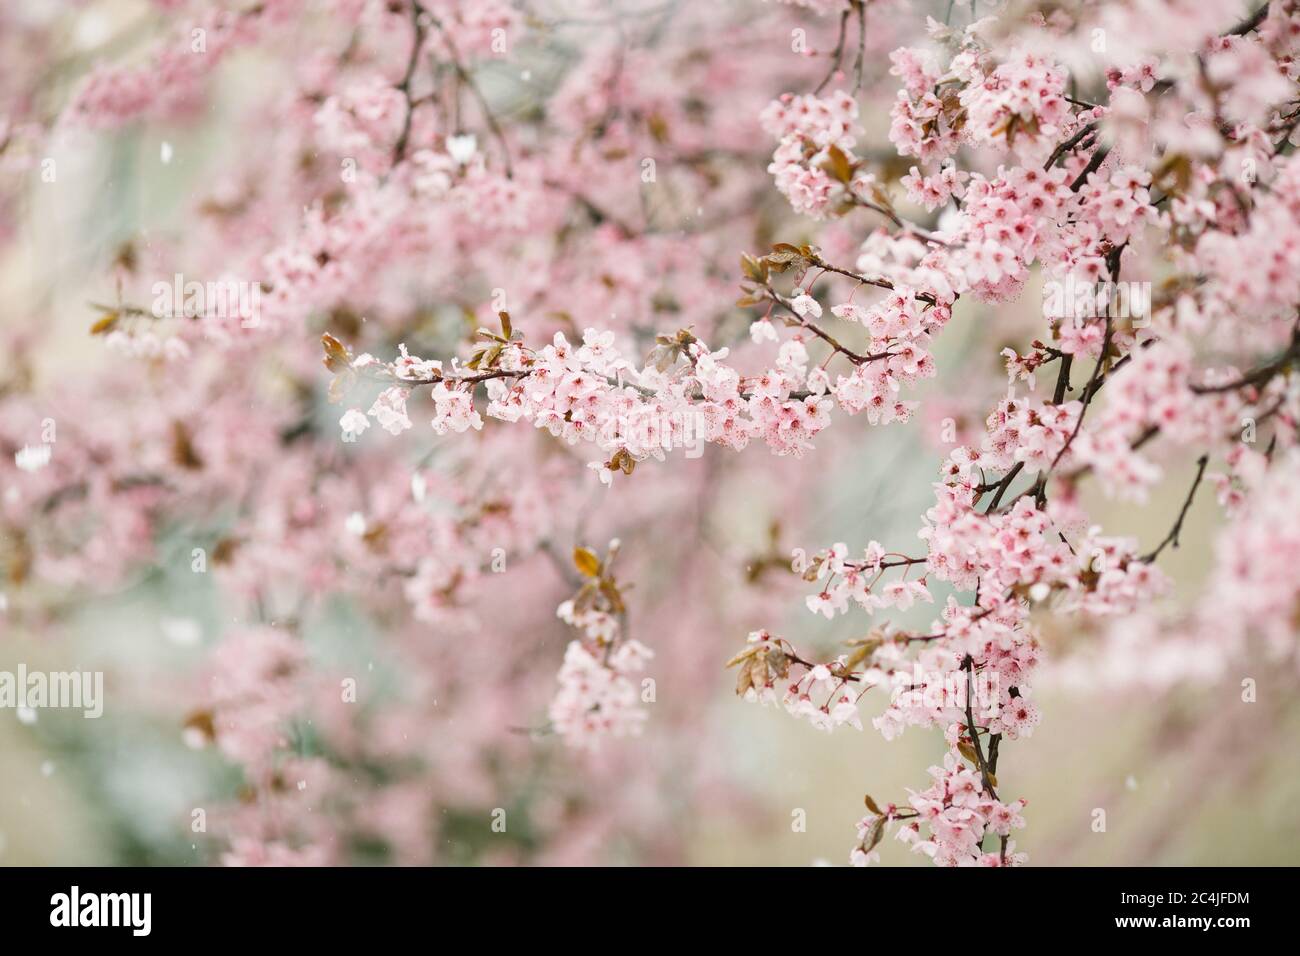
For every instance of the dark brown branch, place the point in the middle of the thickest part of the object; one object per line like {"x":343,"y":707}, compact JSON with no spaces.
{"x":985,"y":774}
{"x":1259,"y":376}
{"x":857,"y":358}
{"x":1062,"y":380}
{"x":1098,"y":157}
{"x":1089,"y":391}
{"x":1069,"y":144}
{"x":860,"y":6}
{"x":835,"y":56}
{"x":1004,"y":484}
{"x":404,"y":87}
{"x":458,"y":65}
{"x":1176,"y":530}
{"x":819,"y":263}
{"x":1250,"y":23}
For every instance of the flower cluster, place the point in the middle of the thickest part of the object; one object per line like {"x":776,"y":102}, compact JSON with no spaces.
{"x":826,"y":695}
{"x":592,"y":394}
{"x":958,"y":813}
{"x":599,"y":695}
{"x":814,"y":163}
{"x":419,"y":164}
{"x":599,"y":698}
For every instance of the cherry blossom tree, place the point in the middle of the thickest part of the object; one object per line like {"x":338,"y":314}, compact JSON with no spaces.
{"x":659,"y":233}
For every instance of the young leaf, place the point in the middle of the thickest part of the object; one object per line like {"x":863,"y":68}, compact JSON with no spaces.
{"x":838,"y":165}
{"x":873,"y":836}
{"x":968,"y":752}
{"x":336,"y":356}
{"x":586,"y":562}
{"x":746,"y":653}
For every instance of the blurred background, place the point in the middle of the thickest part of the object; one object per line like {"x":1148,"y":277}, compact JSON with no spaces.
{"x":1191,"y":775}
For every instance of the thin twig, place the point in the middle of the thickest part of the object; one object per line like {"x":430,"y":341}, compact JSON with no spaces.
{"x":969,"y":666}
{"x":835,"y":56}
{"x":1176,"y":530}
{"x":404,"y":87}
{"x":458,"y":65}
